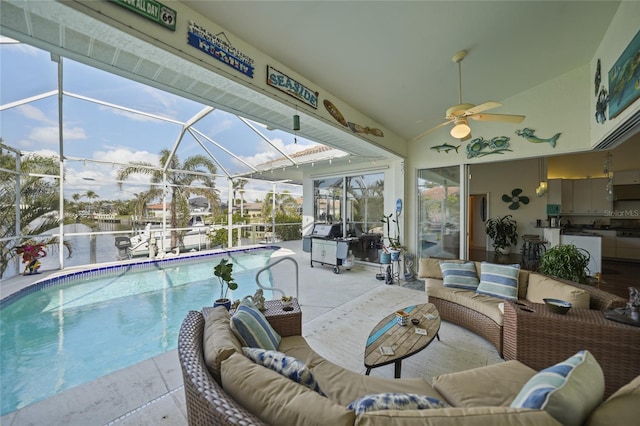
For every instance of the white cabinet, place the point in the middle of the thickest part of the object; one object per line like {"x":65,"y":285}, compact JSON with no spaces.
{"x":626,"y":177}
{"x":323,"y":251}
{"x":581,"y":196}
{"x":560,"y":191}
{"x":608,"y":242}
{"x":587,"y":196}
{"x":592,"y":244}
{"x":566,"y":190}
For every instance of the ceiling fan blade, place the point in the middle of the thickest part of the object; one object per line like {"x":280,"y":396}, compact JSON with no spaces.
{"x":483,"y":107}
{"x":505,"y":118}
{"x":430,"y":130}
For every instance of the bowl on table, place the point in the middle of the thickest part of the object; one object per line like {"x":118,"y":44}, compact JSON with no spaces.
{"x":557,"y":306}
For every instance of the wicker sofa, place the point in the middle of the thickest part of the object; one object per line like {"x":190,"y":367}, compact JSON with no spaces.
{"x":233,"y":390}
{"x":535,"y":337}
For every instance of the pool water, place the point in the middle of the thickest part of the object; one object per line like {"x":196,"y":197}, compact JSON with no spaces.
{"x":67,"y":334}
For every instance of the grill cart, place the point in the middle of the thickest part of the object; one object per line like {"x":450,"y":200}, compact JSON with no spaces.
{"x":326,"y":245}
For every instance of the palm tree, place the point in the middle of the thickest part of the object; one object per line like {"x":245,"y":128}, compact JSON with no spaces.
{"x":178,"y":180}
{"x":91,"y":195}
{"x":238,"y":185}
{"x":39,"y":198}
{"x":285,"y":203}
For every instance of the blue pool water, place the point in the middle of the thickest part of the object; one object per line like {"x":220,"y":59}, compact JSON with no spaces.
{"x":68,"y":332}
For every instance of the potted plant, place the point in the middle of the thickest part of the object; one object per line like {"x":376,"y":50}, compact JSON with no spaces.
{"x":566,"y":261}
{"x":224,"y":272}
{"x":31,"y":252}
{"x":395,"y":248}
{"x":503,"y":232}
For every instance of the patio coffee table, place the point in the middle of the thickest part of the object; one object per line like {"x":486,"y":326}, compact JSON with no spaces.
{"x":403,"y":340}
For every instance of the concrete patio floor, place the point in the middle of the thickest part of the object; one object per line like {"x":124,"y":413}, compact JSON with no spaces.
{"x":151,"y":392}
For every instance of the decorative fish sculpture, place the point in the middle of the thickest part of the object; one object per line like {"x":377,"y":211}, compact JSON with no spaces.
{"x":527,"y":133}
{"x":445,"y":147}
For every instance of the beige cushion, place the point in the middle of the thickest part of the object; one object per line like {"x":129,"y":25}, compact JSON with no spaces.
{"x":297,"y":347}
{"x":541,"y":287}
{"x":429,"y":268}
{"x":623,"y":407}
{"x":490,"y":386}
{"x":277,"y":400}
{"x":569,"y":390}
{"x":476,"y":416}
{"x":345,"y":386}
{"x":486,"y":305}
{"x":218,"y":340}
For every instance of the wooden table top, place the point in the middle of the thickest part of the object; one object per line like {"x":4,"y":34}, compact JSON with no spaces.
{"x":402,"y":339}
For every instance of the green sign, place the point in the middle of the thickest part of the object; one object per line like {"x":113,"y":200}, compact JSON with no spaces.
{"x":153,"y":10}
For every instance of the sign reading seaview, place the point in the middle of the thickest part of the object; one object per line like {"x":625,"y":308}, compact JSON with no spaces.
{"x":219,"y":48}
{"x":152,"y":10}
{"x":291,"y":87}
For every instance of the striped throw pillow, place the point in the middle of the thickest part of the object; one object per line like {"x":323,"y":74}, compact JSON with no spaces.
{"x":394,"y":401}
{"x":568,"y":391}
{"x":288,"y":366}
{"x":252,"y":328}
{"x":499,"y":280}
{"x":460,"y":275}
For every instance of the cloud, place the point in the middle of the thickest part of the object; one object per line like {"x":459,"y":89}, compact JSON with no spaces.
{"x":34,"y":113}
{"x":49,"y":135}
{"x":130,"y":115}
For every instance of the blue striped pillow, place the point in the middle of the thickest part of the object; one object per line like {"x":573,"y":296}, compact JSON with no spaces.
{"x":568,"y":391}
{"x":460,"y":275}
{"x":252,"y":328}
{"x":288,"y":366}
{"x":499,"y":280}
{"x":394,"y":401}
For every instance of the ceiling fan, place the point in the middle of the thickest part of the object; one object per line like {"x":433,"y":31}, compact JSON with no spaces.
{"x":460,"y":114}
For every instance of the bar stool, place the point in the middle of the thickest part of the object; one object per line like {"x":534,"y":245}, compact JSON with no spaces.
{"x":533,"y":247}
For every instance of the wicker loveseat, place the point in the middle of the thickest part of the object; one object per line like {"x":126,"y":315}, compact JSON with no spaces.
{"x":534,"y":336}
{"x":213,"y":397}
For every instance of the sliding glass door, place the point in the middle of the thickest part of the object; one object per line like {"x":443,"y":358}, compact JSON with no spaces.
{"x":439,"y":212}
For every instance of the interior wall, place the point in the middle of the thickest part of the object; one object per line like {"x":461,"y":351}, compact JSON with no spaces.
{"x":498,"y":179}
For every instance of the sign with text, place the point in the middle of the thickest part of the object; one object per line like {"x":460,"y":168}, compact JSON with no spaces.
{"x":291,"y":87}
{"x":152,"y":10}
{"x":219,"y":48}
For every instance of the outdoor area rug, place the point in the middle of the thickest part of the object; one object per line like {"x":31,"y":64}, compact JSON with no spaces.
{"x":340,"y":337}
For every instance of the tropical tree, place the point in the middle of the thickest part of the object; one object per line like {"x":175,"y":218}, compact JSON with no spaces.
{"x":91,"y":195}
{"x":39,"y":202}
{"x":179,"y":177}
{"x":285,"y":203}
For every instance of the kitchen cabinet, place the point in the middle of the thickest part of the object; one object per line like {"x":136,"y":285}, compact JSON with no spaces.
{"x":628,"y":248}
{"x":608,"y":242}
{"x":580,"y":196}
{"x":626,"y":177}
{"x":560,"y":191}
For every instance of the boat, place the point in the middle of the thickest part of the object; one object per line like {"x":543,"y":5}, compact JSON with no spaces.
{"x":194,"y":239}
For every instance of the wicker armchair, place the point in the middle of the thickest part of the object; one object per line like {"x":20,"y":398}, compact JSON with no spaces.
{"x":207,"y":403}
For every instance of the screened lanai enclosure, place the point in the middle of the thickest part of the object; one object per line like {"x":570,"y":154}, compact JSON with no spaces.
{"x":99,"y":168}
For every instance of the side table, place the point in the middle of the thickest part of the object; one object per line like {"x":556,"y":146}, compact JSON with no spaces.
{"x":539,"y":338}
{"x":286,"y":323}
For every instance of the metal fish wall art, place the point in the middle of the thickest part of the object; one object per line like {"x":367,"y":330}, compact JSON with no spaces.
{"x":527,"y":133}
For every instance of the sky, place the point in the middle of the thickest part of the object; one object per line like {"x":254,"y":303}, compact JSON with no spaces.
{"x":114,"y":136}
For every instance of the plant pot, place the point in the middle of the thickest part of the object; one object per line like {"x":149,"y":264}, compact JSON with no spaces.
{"x":385,"y":258}
{"x":503,"y":250}
{"x":223,"y":302}
{"x":395,"y":254}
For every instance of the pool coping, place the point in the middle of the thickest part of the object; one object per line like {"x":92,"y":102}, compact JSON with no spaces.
{"x":86,"y":271}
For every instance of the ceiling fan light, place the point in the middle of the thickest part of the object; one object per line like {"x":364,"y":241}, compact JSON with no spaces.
{"x":461,"y":129}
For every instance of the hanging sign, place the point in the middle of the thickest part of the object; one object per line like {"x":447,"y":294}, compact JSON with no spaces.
{"x":291,"y":87}
{"x":152,"y":10}
{"x":219,"y":47}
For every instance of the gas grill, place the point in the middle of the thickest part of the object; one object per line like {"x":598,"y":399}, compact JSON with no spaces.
{"x":326,"y":245}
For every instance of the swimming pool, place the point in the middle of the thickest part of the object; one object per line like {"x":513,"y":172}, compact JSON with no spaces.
{"x":66,"y":331}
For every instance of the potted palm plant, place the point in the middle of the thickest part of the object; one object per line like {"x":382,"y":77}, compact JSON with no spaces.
{"x":224,"y":272}
{"x":566,"y":261}
{"x":503,"y":232}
